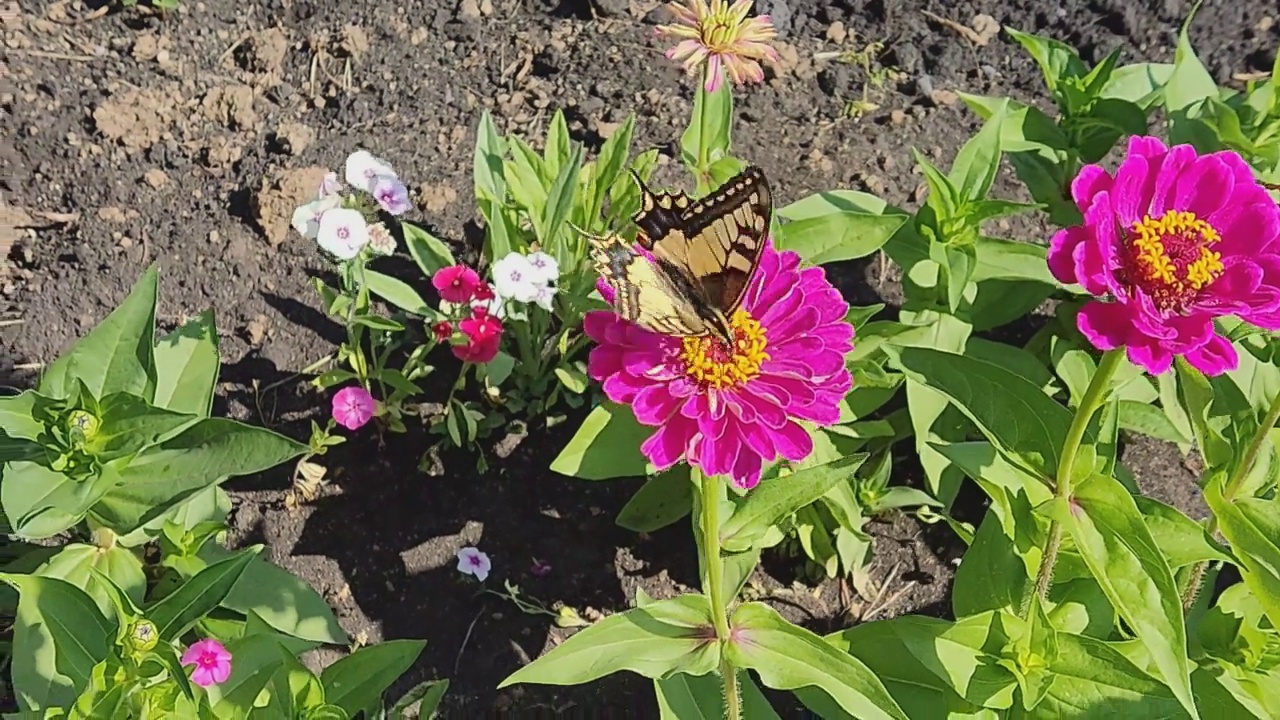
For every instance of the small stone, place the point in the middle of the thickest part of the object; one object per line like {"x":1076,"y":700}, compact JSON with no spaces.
{"x":944,"y":97}
{"x":836,"y":32}
{"x":897,"y":117}
{"x":469,"y":9}
{"x":156,"y":178}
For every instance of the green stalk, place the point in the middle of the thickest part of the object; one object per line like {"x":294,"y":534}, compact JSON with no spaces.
{"x":1229,"y":491}
{"x":709,"y":487}
{"x":1094,"y":397}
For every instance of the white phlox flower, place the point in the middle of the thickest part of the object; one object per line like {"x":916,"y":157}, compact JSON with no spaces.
{"x":330,"y":185}
{"x":545,"y":267}
{"x":306,"y":219}
{"x":364,"y":168}
{"x":471,"y":561}
{"x":545,"y":297}
{"x":515,"y":278}
{"x":343,"y":233}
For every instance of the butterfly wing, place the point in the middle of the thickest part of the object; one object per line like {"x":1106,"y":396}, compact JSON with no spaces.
{"x":647,"y":292}
{"x":659,"y":213}
{"x":719,"y":240}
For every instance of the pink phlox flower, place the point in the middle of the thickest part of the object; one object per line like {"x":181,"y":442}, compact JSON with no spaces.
{"x":729,"y":410}
{"x":471,"y":561}
{"x":456,"y":284}
{"x":1171,"y":241}
{"x":353,"y":406}
{"x":212,"y":661}
{"x":391,"y":194}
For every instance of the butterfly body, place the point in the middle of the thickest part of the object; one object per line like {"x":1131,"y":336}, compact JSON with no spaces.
{"x":704,"y":254}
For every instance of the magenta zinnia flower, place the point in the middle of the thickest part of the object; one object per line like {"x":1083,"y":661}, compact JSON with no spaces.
{"x":728,"y":410}
{"x":212,"y":661}
{"x":1169,"y":243}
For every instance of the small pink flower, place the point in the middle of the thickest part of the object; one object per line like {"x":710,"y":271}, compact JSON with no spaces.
{"x":471,"y":561}
{"x":391,"y":194}
{"x":212,"y":661}
{"x":540,"y":568}
{"x":483,"y":333}
{"x":353,"y":407}
{"x":1171,"y":241}
{"x":442,"y":330}
{"x":723,"y":37}
{"x":456,"y":284}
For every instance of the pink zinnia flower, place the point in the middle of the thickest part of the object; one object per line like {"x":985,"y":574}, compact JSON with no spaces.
{"x":456,"y":284}
{"x":728,"y":410}
{"x":722,"y":36}
{"x":212,"y":661}
{"x":1170,"y":242}
{"x":353,"y":406}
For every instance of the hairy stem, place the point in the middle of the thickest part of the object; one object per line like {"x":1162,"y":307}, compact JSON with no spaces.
{"x":1094,"y":397}
{"x":1229,"y":491}
{"x":709,"y":487}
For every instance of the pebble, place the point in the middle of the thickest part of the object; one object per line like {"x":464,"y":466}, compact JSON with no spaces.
{"x":990,"y":71}
{"x":924,"y":84}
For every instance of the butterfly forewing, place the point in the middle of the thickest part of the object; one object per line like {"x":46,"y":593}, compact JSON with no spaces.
{"x":721,"y":237}
{"x":646,"y":292}
{"x":659,"y":213}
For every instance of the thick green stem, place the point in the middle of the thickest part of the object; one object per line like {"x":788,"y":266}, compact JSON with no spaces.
{"x":1229,"y":491}
{"x":709,"y":487}
{"x":1094,"y":397}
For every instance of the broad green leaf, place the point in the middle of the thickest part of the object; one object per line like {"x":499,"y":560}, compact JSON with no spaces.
{"x":1093,"y":680}
{"x":769,"y":503}
{"x":116,"y":355}
{"x":788,"y":657}
{"x":1009,"y":260}
{"x":59,"y":635}
{"x":1014,"y":359}
{"x":1221,"y":695}
{"x":1149,"y":420}
{"x":129,"y":424}
{"x":663,"y":499}
{"x":284,"y":601}
{"x":187,"y":365}
{"x":204,"y":454}
{"x":487,"y":165}
{"x":978,"y":160}
{"x":701,"y":697}
{"x":1115,"y":543}
{"x":610,"y":163}
{"x":255,"y":659}
{"x":836,"y":225}
{"x":606,"y":446}
{"x":357,"y":681}
{"x":209,"y":505}
{"x":992,"y":574}
{"x":707,"y":139}
{"x":41,"y":503}
{"x":561,"y":198}
{"x":1190,"y":82}
{"x":18,"y":429}
{"x":1025,"y":129}
{"x":197,"y":597}
{"x":656,"y":641}
{"x":1019,"y":419}
{"x":398,"y":293}
{"x":429,"y":252}
{"x":73,"y":562}
{"x":1183,"y":541}
{"x":932,"y":667}
{"x":1141,"y":83}
{"x":957,"y":263}
{"x":558,"y":145}
{"x":430,"y":692}
{"x":1058,"y":61}
{"x":1252,"y":526}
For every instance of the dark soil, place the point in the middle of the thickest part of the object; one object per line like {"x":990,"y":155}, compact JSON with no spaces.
{"x":175,"y":139}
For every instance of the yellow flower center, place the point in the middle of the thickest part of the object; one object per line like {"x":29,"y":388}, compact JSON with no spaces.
{"x":1170,"y":258}
{"x":719,"y":29}
{"x":712,"y":363}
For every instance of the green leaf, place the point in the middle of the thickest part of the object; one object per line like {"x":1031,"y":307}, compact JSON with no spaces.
{"x":357,"y":681}
{"x":978,"y":160}
{"x":662,"y":500}
{"x":177,"y":612}
{"x":255,"y":659}
{"x":1057,"y":60}
{"x":73,"y":563}
{"x":610,"y":163}
{"x":487,"y":165}
{"x":561,"y":198}
{"x":59,"y":635}
{"x":1181,"y":540}
{"x":1141,"y":83}
{"x":837,"y":225}
{"x":1252,"y":526}
{"x":606,"y":446}
{"x":284,"y":601}
{"x":187,"y":365}
{"x":1009,"y":260}
{"x":1149,"y":420}
{"x":957,"y":264}
{"x":1020,"y":420}
{"x":707,"y":138}
{"x":788,"y":657}
{"x":41,"y":503}
{"x":656,"y":641}
{"x":701,"y":697}
{"x":769,"y":503}
{"x":129,"y":424}
{"x":1115,"y":543}
{"x":204,"y":454}
{"x":933,"y":667}
{"x":430,"y":252}
{"x":430,"y":692}
{"x":1190,"y":82}
{"x":116,"y":355}
{"x":1093,"y":680}
{"x":398,"y":293}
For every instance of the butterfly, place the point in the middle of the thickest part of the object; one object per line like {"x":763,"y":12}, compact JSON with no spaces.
{"x":705,"y":254}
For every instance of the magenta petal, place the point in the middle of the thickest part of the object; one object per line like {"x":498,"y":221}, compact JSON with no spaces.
{"x":1104,"y":324}
{"x":1214,"y":357}
{"x":1152,"y":358}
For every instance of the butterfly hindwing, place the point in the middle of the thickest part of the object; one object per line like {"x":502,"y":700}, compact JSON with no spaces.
{"x":646,"y":292}
{"x":720,"y":238}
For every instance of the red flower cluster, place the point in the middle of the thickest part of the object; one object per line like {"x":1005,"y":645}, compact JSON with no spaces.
{"x":481,"y":331}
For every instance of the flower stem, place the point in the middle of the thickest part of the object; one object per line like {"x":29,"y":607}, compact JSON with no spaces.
{"x":1229,"y":491}
{"x":709,"y":487}
{"x":1094,"y":397}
